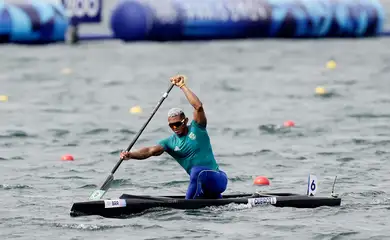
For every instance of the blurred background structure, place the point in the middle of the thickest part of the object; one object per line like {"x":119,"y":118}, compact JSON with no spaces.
{"x":43,"y":21}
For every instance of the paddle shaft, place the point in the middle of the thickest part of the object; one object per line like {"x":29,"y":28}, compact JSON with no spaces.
{"x":110,"y":177}
{"x":98,"y":194}
{"x":165,"y":95}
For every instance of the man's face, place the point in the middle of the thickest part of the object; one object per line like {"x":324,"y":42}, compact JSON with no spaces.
{"x":178,"y":124}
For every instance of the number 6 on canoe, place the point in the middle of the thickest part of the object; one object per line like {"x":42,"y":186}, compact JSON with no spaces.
{"x":99,"y":193}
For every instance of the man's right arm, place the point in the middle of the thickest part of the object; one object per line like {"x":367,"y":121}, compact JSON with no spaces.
{"x":143,"y":153}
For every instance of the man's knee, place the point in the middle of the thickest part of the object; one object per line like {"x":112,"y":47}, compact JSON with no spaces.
{"x":214,"y":182}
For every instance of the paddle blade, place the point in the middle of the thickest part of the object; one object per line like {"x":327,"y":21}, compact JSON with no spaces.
{"x":98,"y":194}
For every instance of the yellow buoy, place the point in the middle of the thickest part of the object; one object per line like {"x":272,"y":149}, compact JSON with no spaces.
{"x":331,"y":64}
{"x":320,"y":90}
{"x":135,"y":109}
{"x":3,"y":98}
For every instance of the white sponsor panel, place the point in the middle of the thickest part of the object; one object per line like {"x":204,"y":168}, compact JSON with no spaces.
{"x":261,"y":201}
{"x":115,"y":203}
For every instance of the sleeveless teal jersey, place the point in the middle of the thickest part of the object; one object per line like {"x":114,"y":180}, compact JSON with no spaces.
{"x":193,"y":149}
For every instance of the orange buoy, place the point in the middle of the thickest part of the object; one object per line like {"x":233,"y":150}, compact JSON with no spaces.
{"x":261,"y":180}
{"x":67,"y":157}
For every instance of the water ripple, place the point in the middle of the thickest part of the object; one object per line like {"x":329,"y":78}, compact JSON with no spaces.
{"x":174,"y":183}
{"x":64,"y":177}
{"x":245,"y":154}
{"x":96,"y":227}
{"x":368,"y":115}
{"x":240,"y":179}
{"x":336,"y":236}
{"x":126,"y":131}
{"x":61,"y":110}
{"x":17,"y":134}
{"x":96,"y":131}
{"x":345,"y":159}
{"x":16,"y":186}
{"x":89,"y":186}
{"x":59,"y":132}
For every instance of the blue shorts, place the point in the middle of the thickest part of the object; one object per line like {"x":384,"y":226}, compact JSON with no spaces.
{"x":206,"y":183}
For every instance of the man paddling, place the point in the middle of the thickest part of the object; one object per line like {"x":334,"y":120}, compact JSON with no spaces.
{"x":190,"y":147}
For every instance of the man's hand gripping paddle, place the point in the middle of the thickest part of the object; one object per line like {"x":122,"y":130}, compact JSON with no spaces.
{"x":99,"y":193}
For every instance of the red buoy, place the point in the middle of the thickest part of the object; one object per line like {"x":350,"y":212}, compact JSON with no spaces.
{"x":289,"y":123}
{"x":261,"y":180}
{"x":67,"y":157}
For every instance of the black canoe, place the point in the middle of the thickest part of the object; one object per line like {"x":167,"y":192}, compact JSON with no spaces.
{"x":133,"y":204}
